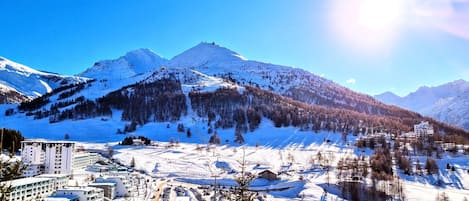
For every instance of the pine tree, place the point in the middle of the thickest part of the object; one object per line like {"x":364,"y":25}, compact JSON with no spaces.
{"x":242,"y":192}
{"x":9,"y":171}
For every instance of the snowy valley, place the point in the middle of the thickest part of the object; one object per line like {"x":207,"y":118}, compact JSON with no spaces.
{"x":214,"y":118}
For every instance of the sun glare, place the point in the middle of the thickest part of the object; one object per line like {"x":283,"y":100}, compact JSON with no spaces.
{"x":369,"y":25}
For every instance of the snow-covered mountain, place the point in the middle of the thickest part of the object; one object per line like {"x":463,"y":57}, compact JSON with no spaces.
{"x":132,"y":64}
{"x":296,"y":83}
{"x":448,"y":102}
{"x":113,"y":74}
{"x":19,"y":82}
{"x":204,"y":88}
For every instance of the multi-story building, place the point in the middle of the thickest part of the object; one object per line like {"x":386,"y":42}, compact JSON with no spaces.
{"x":84,"y":159}
{"x":32,"y":154}
{"x":49,"y":157}
{"x":27,"y":189}
{"x":83,"y":193}
{"x":62,"y":198}
{"x":33,"y":170}
{"x":60,"y":180}
{"x":123,"y":185}
{"x":423,"y":129}
{"x":59,"y":157}
{"x":109,"y":189}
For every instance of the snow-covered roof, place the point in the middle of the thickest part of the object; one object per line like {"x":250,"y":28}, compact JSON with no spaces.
{"x":52,"y":175}
{"x":78,"y":188}
{"x":62,"y":197}
{"x":422,"y":125}
{"x":25,"y":181}
{"x":102,"y":184}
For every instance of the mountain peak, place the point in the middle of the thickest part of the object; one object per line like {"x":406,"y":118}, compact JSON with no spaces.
{"x":388,"y":97}
{"x":11,"y":66}
{"x":29,"y":82}
{"x":204,"y":53}
{"x":388,"y":94}
{"x":142,"y":52}
{"x":460,"y":82}
{"x":132,"y":63}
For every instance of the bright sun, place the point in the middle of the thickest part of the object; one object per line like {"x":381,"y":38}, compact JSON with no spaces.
{"x":369,"y":25}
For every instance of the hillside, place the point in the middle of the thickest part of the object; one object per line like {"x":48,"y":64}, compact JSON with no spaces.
{"x":448,"y":102}
{"x":19,"y":82}
{"x":207,"y":84}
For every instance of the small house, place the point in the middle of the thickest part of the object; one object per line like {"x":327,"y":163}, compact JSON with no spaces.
{"x":269,"y":175}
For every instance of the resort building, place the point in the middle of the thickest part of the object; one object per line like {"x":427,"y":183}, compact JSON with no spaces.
{"x":49,"y":157}
{"x":83,"y":193}
{"x":27,"y":189}
{"x":82,"y":160}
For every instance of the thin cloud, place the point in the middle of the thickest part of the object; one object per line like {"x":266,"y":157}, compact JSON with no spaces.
{"x":450,"y":16}
{"x":351,"y":81}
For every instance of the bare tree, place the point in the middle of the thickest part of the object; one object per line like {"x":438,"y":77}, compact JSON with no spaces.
{"x":243,"y":180}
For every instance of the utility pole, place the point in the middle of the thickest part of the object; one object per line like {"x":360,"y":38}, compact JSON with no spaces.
{"x":215,"y":187}
{"x":1,"y":142}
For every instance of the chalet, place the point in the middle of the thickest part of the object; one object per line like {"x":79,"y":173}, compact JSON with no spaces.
{"x":269,"y":175}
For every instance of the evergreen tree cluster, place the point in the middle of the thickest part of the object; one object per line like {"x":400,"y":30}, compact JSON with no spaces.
{"x":141,"y":103}
{"x":11,"y":139}
{"x":41,"y":101}
{"x":130,"y":140}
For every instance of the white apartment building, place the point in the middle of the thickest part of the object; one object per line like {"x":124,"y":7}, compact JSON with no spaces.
{"x":33,"y":170}
{"x":84,"y":159}
{"x":423,"y":129}
{"x":123,"y":186}
{"x":59,"y":157}
{"x":49,"y":157}
{"x":60,"y":180}
{"x":109,"y":189}
{"x":83,"y":193}
{"x":29,"y":189}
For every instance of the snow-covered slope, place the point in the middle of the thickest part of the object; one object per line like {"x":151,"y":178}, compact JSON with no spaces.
{"x":28,"y":82}
{"x":132,"y":64}
{"x":213,"y":59}
{"x":135,"y":89}
{"x":298,"y":84}
{"x":114,"y":74}
{"x":448,"y":102}
{"x":10,"y":95}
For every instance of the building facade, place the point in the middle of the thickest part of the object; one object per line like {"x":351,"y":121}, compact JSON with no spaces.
{"x":108,"y":188}
{"x":29,"y":189}
{"x":49,"y":157}
{"x":83,"y":193}
{"x":123,"y":186}
{"x":85,"y":159}
{"x":423,"y":129}
{"x":60,"y":180}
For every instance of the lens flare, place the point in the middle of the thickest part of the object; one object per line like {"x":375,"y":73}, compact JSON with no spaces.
{"x":366,"y":25}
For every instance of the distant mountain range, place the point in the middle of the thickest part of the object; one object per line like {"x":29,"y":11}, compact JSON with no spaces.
{"x":448,"y":102}
{"x":207,"y":87}
{"x":20,"y":83}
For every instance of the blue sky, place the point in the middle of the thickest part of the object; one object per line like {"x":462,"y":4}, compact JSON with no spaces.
{"x":367,"y":47}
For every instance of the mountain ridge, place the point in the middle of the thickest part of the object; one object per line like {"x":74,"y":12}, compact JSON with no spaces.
{"x":147,"y":89}
{"x":447,"y":102}
{"x":21,"y":83}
